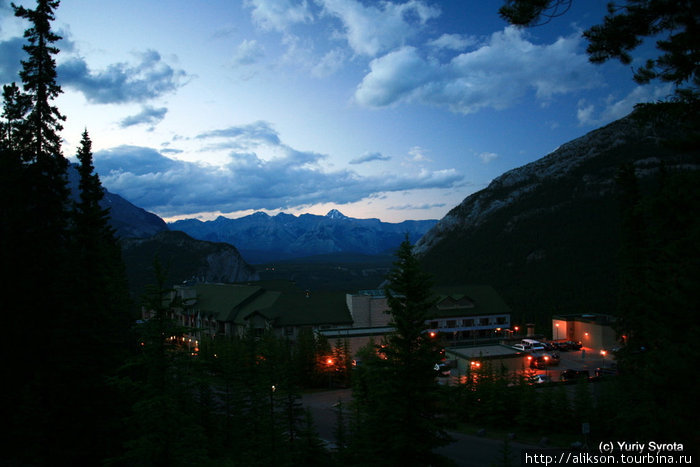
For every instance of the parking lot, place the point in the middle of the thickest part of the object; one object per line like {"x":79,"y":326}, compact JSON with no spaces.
{"x":516,"y":363}
{"x":584,"y":359}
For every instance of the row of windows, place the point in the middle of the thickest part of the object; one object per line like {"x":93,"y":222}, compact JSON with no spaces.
{"x":468,"y":322}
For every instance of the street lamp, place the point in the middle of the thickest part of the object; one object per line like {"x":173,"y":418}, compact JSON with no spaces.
{"x":557,"y":326}
{"x":603,"y":353}
{"x":329,"y":362}
{"x":546,"y":367}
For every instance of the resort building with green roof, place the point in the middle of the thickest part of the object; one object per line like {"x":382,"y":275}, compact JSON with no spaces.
{"x":460,"y":313}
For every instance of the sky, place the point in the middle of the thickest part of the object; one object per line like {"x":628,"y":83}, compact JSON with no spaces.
{"x":387,"y":109}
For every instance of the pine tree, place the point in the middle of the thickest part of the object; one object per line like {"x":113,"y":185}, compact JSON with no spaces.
{"x":162,"y":424}
{"x":402,"y":383}
{"x":672,"y":23}
{"x":99,"y":319}
{"x":40,"y":247}
{"x":41,"y":138}
{"x":15,"y":107}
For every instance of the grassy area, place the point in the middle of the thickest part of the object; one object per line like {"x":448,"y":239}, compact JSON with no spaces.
{"x":330,"y":273}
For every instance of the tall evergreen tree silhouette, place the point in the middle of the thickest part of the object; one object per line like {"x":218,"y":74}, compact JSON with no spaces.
{"x":57,"y":350}
{"x":400,"y":388}
{"x":99,"y":320}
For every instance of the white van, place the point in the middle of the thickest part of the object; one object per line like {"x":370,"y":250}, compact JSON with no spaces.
{"x":531,"y":345}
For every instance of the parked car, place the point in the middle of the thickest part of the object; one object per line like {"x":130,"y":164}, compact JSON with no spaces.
{"x":605,"y":372}
{"x":572,"y":375}
{"x":442,"y":369}
{"x":548,"y":346}
{"x":567,"y":345}
{"x":574,"y":345}
{"x":539,"y":379}
{"x":540,"y":362}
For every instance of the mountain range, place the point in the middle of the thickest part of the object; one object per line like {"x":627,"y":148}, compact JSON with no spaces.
{"x":263,"y":238}
{"x":127,"y":219}
{"x":547,"y":235}
{"x":145,"y":237}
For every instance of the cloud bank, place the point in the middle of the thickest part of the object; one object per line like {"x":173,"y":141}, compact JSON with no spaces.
{"x":369,"y":157}
{"x":375,"y":28}
{"x":494,"y":75}
{"x":148,"y":116}
{"x":249,"y":180}
{"x":11,"y":54}
{"x":122,"y":83}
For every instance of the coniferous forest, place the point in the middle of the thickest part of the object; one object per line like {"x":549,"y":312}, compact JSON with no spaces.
{"x":85,"y":384}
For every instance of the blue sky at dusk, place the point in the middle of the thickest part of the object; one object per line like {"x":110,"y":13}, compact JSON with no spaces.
{"x":395,"y":110}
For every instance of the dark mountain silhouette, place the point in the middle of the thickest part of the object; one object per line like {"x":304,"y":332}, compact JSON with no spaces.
{"x":547,"y":234}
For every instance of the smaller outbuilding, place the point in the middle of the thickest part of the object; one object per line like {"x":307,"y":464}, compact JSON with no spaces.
{"x":594,"y":331}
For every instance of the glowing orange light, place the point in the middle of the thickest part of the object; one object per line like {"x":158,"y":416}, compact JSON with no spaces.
{"x":603,"y":353}
{"x":329,"y":361}
{"x":433,"y":334}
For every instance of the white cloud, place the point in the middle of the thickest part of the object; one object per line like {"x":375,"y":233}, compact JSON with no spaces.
{"x":495,"y":75}
{"x":329,"y":64}
{"x":487,"y":157}
{"x":150,"y":78}
{"x":278,"y":15}
{"x":614,"y":109}
{"x":369,"y":157}
{"x":395,"y":77}
{"x":248,"y":52}
{"x":376,"y":28}
{"x":411,"y":207}
{"x":456,"y":42}
{"x":148,"y":116}
{"x":418,"y":154}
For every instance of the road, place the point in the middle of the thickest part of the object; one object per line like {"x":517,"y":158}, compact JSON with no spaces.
{"x":465,"y":451}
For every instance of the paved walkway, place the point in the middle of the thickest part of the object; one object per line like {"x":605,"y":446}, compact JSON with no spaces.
{"x":465,"y":451}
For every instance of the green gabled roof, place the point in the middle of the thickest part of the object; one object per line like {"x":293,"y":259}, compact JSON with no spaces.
{"x":223,"y":301}
{"x":295,"y":308}
{"x":282,"y":302}
{"x":261,"y":303}
{"x":475,"y":300}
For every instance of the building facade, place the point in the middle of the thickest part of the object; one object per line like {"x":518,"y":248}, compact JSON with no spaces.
{"x":595,"y":331}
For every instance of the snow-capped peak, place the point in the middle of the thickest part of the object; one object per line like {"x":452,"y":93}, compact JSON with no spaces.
{"x":335,"y":214}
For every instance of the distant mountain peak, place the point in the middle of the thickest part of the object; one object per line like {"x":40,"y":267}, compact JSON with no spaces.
{"x":335,"y":214}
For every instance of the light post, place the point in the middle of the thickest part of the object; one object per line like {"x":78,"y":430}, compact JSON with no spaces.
{"x":557,"y":326}
{"x":603,"y":353}
{"x":329,"y":362}
{"x":546,"y":366}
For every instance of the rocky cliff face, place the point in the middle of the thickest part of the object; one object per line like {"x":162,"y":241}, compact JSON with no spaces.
{"x":583,"y":159}
{"x":184,"y":259}
{"x":547,"y":235}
